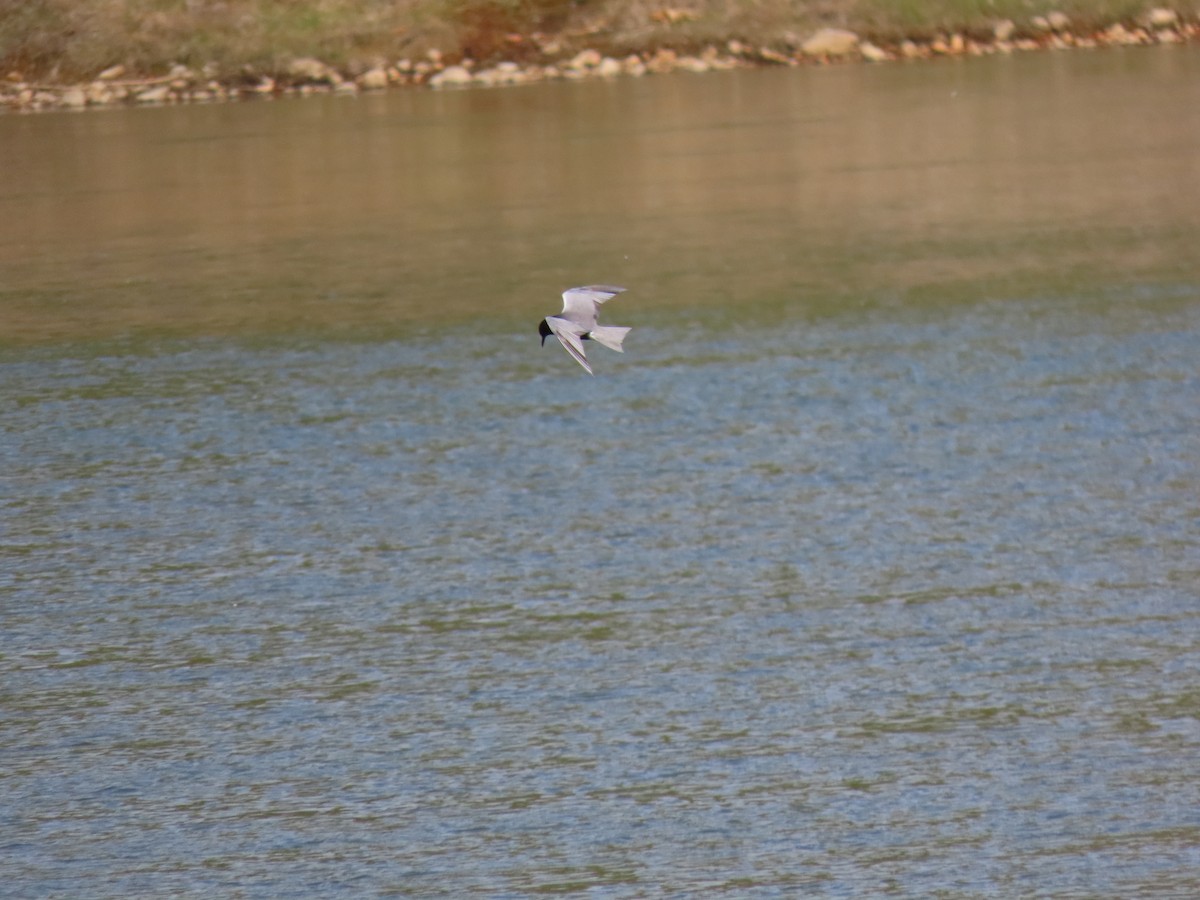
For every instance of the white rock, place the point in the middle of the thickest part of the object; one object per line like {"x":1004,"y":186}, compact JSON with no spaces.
{"x":585,"y":59}
{"x":373,"y":79}
{"x":160,"y":94}
{"x":98,"y":93}
{"x":1004,"y":30}
{"x":452,"y":76}
{"x":74,"y":98}
{"x":692,"y":64}
{"x":767,"y":54}
{"x":501,"y":73}
{"x":508,"y":72}
{"x":305,"y":68}
{"x":662,"y":62}
{"x":871,"y":53}
{"x":831,"y":42}
{"x":1118,"y":34}
{"x":1161,"y":17}
{"x":633,"y":65}
{"x":112,"y":73}
{"x":608,"y":68}
{"x":1058,"y":21}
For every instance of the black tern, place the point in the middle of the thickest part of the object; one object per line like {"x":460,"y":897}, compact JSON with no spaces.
{"x":578,"y":322}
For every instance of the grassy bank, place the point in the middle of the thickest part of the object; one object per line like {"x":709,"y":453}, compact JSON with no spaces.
{"x":60,"y":41}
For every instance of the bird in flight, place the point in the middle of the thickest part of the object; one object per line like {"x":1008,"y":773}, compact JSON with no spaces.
{"x":578,"y":322}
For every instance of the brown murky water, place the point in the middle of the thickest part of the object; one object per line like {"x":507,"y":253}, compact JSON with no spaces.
{"x":871,"y":567}
{"x":746,"y":189}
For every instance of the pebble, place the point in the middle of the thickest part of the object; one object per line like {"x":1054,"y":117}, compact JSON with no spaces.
{"x":871,"y":53}
{"x":159,"y":94}
{"x":633,"y":65}
{"x":771,"y":55}
{"x":831,"y":42}
{"x":501,"y":74}
{"x":98,"y":93}
{"x":609,"y":68}
{"x":585,"y":59}
{"x":1058,"y":21}
{"x":308,"y":75}
{"x":306,"y":68}
{"x":375,"y":79}
{"x":73,"y":98}
{"x":662,"y":62}
{"x":1161,"y":17}
{"x":454,"y":76}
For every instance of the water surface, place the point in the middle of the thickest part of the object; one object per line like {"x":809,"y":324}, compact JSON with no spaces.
{"x":870,"y":568}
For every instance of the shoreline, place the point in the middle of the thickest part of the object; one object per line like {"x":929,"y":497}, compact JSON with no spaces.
{"x":303,"y":76}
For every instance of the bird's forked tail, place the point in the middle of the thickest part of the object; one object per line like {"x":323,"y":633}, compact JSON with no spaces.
{"x":610,"y":336}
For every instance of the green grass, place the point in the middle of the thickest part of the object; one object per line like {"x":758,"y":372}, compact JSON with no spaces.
{"x":890,"y":19}
{"x":78,"y":38}
{"x":75,"y":39}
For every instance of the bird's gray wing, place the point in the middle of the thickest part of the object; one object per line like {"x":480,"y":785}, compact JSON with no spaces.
{"x":579,"y":303}
{"x":568,"y":335}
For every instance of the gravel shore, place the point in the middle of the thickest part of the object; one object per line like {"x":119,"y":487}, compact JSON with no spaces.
{"x":435,"y":70}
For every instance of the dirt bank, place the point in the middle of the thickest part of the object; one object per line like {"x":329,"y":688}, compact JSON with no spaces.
{"x":58,"y":54}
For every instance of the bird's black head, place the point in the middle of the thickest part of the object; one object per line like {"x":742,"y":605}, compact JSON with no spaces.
{"x":544,"y":331}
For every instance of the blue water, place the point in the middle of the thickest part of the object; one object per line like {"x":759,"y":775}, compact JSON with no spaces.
{"x":871,"y":568}
{"x":902,"y":599}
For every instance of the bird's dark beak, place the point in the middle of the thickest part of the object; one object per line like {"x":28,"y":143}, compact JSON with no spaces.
{"x":544,"y":331}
